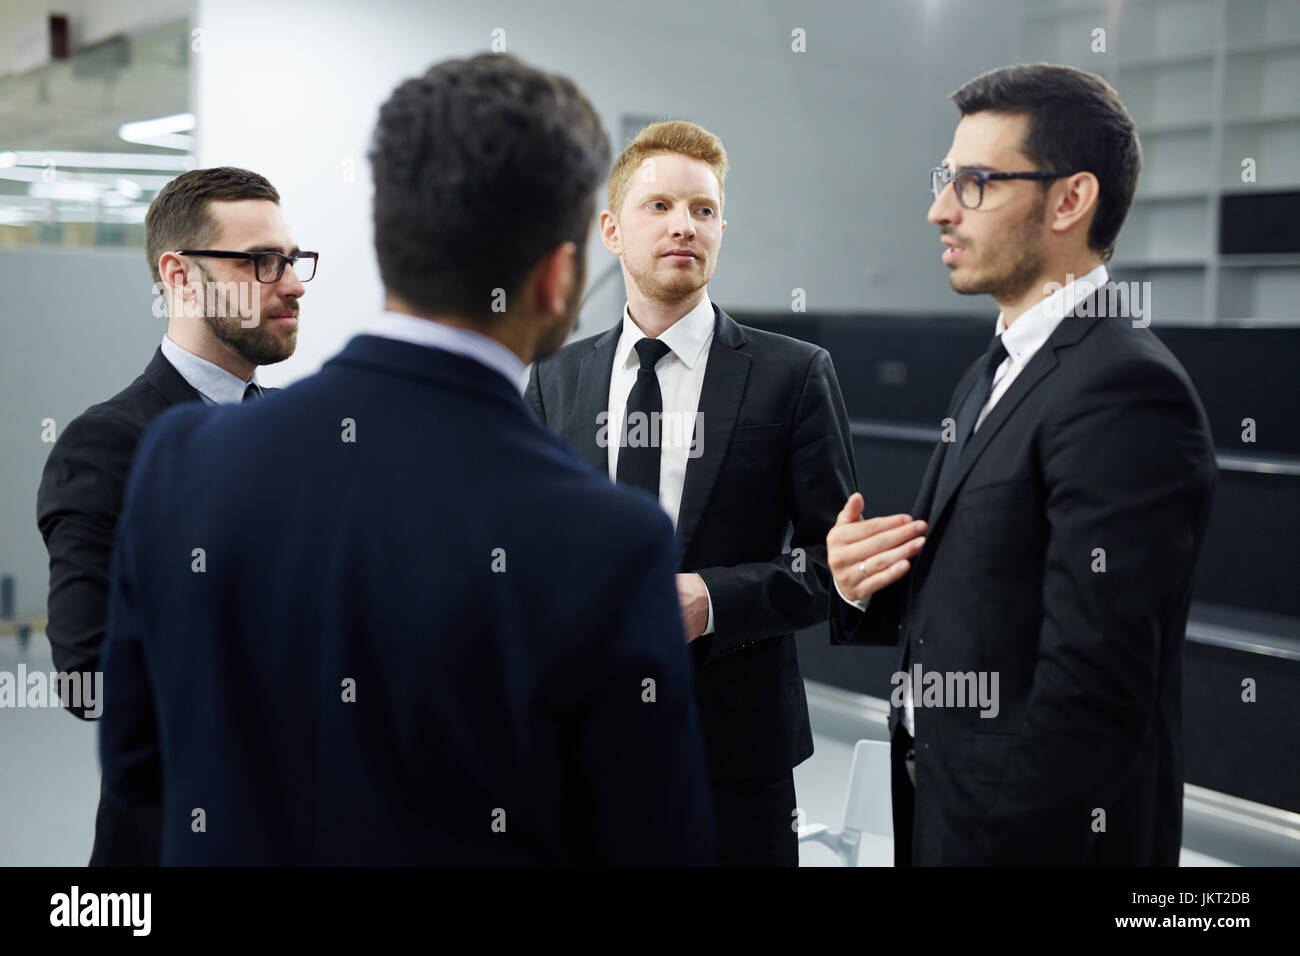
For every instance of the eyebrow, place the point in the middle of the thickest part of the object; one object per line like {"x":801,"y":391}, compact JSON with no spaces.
{"x":981,"y":167}
{"x":292,"y":252}
{"x":708,"y":199}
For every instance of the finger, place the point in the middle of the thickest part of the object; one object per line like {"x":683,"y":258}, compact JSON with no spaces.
{"x":892,"y":538}
{"x":877,"y":525}
{"x":852,"y":509}
{"x":850,"y":552}
{"x":886,"y":559}
{"x":880,"y":580}
{"x":849,"y":532}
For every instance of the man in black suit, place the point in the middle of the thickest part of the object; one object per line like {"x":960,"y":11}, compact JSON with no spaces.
{"x":344,"y":624}
{"x":226,"y":315}
{"x":1040,"y":605}
{"x":742,"y":437}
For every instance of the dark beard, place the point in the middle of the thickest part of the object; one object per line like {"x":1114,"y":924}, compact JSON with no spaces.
{"x":1019,"y":276}
{"x":257,"y":345}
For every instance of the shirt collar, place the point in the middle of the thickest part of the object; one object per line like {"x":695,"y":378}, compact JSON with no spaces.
{"x":211,"y":381}
{"x":438,"y":335}
{"x":687,"y":338}
{"x":1036,"y":325}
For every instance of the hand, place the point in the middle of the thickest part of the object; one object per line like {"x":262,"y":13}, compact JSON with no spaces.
{"x":695,"y":604}
{"x":865,"y":556}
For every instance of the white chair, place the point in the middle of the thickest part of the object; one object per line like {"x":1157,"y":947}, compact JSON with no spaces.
{"x":868,"y":805}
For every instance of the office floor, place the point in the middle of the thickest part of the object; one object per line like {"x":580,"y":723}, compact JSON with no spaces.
{"x":50,"y":785}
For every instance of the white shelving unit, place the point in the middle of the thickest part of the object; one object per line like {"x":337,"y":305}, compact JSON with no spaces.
{"x":1210,"y":84}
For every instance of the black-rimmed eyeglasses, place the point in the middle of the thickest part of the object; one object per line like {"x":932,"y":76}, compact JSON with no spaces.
{"x":268,"y":266}
{"x":969,"y":183}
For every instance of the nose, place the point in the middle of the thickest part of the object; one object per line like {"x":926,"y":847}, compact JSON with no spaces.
{"x":289,"y":286}
{"x":683,"y":225}
{"x":945,"y":210}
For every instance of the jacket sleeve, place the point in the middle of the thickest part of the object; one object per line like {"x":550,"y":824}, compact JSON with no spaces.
{"x":645,"y":796}
{"x":879,"y":624}
{"x":77,"y":506}
{"x":792,"y":591}
{"x":1130,"y":473}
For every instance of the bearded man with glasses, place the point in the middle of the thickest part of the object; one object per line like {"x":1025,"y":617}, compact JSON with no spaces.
{"x":229,"y":310}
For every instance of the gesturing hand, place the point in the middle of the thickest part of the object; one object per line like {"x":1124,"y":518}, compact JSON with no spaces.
{"x":865,"y":556}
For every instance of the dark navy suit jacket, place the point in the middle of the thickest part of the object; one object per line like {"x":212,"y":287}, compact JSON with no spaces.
{"x":383,"y":617}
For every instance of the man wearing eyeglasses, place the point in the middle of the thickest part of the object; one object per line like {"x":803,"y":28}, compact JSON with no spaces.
{"x":230,"y":275}
{"x":1050,"y":555}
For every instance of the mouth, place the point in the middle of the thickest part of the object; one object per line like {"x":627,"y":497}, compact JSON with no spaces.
{"x":680,"y":255}
{"x":285,"y":318}
{"x":952,"y":252}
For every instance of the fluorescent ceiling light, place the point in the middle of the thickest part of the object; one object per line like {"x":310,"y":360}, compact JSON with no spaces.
{"x":63,"y":158}
{"x":162,"y":131}
{"x":141,"y":181}
{"x":86,"y":192}
{"x":147,"y":129}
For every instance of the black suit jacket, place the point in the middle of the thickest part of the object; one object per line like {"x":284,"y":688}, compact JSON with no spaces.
{"x":78,"y":502}
{"x":77,"y":507}
{"x":1098,"y":452}
{"x":776,"y":460}
{"x":384,"y":660}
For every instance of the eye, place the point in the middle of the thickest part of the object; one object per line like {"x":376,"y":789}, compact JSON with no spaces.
{"x":707,"y":209}
{"x":658,"y":202}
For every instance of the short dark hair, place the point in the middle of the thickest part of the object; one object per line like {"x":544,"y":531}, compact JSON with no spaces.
{"x":178,"y":217}
{"x":481,"y":166}
{"x":1076,"y":124}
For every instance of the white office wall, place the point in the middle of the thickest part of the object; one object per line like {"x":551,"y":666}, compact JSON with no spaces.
{"x":829,"y":148}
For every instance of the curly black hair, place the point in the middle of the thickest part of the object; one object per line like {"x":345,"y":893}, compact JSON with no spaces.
{"x":481,"y":166}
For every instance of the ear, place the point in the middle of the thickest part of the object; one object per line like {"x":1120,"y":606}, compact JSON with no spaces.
{"x":172,"y":269}
{"x":1075,"y":202}
{"x":610,"y":234}
{"x":555,"y":277}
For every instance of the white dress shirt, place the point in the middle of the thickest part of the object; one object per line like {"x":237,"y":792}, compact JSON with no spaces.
{"x":438,"y":335}
{"x":681,"y":378}
{"x":1022,"y":341}
{"x":214,"y":384}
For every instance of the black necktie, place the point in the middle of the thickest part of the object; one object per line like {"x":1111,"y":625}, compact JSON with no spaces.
{"x":967,"y":415}
{"x":252,"y":392}
{"x":638,"y":456}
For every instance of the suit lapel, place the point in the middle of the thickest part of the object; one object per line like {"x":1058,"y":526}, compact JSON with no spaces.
{"x":168,"y":382}
{"x":594,"y":373}
{"x":1070,"y":330}
{"x":1040,"y":365}
{"x":725,"y":377}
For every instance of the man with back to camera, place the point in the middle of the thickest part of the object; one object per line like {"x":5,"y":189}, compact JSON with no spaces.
{"x":388,"y":663}
{"x":742,"y":437}
{"x":1059,"y":528}
{"x":209,"y":354}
